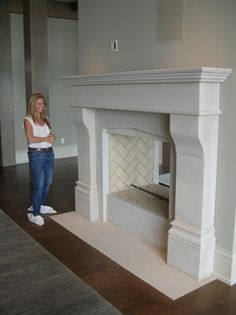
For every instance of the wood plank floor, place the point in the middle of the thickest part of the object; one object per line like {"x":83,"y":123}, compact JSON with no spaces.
{"x":125,"y":291}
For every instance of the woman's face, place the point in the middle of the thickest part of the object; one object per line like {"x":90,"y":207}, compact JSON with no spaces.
{"x":40,"y":106}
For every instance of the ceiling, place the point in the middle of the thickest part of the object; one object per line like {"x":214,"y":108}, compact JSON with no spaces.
{"x":66,"y":9}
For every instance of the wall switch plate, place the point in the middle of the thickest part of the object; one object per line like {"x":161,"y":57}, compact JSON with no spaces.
{"x":62,"y":140}
{"x":114,"y":45}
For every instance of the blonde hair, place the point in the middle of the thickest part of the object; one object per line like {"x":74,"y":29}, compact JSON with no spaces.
{"x":32,"y":106}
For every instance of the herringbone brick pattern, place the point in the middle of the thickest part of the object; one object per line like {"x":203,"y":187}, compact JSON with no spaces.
{"x":131,"y":161}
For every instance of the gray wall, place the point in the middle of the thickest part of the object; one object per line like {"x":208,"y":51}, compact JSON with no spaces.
{"x":209,"y":41}
{"x":18,"y":75}
{"x":62,"y":60}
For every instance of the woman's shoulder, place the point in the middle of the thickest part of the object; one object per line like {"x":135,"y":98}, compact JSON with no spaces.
{"x":29,"y":118}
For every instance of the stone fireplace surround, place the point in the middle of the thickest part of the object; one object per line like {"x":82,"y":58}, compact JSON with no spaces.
{"x":180,"y":105}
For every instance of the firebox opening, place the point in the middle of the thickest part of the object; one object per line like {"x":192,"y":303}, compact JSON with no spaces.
{"x":139,"y":186}
{"x":161,"y":188}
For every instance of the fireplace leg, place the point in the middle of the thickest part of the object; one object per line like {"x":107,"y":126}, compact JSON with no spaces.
{"x":191,"y":239}
{"x":86,"y":195}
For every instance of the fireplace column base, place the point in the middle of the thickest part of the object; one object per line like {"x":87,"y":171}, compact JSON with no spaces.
{"x":191,"y":250}
{"x":86,"y":197}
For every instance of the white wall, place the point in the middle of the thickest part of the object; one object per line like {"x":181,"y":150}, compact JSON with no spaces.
{"x":209,"y":41}
{"x":62,"y":60}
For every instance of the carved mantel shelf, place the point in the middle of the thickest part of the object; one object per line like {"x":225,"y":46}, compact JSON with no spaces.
{"x":202,"y":74}
{"x":146,"y":90}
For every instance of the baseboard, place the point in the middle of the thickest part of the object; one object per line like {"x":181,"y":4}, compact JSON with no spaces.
{"x":60,"y":152}
{"x":225,"y":266}
{"x":64,"y":151}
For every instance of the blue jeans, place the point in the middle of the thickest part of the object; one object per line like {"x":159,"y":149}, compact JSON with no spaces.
{"x":41,"y":168}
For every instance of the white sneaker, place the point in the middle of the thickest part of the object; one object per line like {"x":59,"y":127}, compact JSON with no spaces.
{"x":43,"y":209}
{"x":47,"y":209}
{"x":30,"y":209}
{"x":37,"y":219}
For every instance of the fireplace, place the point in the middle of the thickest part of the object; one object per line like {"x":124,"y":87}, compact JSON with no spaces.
{"x":178,"y":106}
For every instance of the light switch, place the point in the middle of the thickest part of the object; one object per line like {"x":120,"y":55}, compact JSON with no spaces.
{"x":114,"y":45}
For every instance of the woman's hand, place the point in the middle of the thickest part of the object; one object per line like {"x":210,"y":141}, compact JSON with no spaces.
{"x":50,"y":138}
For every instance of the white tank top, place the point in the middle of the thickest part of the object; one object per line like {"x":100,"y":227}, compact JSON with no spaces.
{"x":39,"y":131}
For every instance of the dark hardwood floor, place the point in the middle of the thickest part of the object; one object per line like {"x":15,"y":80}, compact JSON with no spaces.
{"x":125,"y":291}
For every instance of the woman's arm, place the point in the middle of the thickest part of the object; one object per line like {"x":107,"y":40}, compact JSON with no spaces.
{"x":31,"y":138}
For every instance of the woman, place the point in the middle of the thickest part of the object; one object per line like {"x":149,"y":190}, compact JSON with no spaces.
{"x":41,"y":156}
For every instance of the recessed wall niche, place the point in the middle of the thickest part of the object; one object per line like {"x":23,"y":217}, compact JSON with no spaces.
{"x":170,"y":20}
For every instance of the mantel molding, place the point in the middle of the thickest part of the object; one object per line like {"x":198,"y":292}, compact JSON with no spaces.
{"x":202,"y":74}
{"x":193,"y":91}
